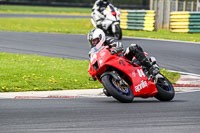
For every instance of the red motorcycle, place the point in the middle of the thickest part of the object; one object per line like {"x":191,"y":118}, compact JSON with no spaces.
{"x":124,"y":79}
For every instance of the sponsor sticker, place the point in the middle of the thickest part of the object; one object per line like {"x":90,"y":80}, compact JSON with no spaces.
{"x":140,"y":86}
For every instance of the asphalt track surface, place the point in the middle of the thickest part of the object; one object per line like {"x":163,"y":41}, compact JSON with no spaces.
{"x":10,"y":15}
{"x":100,"y":115}
{"x":171,"y":55}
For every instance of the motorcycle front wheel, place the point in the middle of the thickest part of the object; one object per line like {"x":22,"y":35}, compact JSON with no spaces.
{"x":118,"y":33}
{"x":165,"y":89}
{"x":123,"y":94}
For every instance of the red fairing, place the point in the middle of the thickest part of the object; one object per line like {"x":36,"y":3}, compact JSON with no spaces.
{"x":114,"y":13}
{"x":102,"y":60}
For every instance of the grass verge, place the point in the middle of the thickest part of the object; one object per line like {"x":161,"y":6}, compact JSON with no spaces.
{"x":53,"y":25}
{"x":44,"y":10}
{"x":20,"y":72}
{"x":82,"y":26}
{"x":164,"y":34}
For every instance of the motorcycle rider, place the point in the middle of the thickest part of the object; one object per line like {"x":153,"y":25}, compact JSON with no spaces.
{"x":96,"y":38}
{"x":97,"y":11}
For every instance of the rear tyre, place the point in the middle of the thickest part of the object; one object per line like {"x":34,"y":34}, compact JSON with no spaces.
{"x":165,"y":89}
{"x":118,"y":33}
{"x":122,"y":94}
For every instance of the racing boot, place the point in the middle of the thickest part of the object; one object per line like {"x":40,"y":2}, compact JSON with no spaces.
{"x":152,"y":69}
{"x":155,"y":68}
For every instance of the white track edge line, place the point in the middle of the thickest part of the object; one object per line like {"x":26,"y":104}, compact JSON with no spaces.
{"x":185,"y":73}
{"x":153,"y":39}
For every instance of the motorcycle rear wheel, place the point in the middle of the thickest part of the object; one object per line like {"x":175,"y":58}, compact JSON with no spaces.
{"x":165,"y":89}
{"x":122,"y":94}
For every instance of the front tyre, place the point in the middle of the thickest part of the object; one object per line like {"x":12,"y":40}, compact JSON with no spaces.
{"x":118,"y":33}
{"x":165,"y":89}
{"x":123,"y":94}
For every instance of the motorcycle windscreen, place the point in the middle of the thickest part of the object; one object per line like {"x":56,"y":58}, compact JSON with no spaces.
{"x":93,"y":52}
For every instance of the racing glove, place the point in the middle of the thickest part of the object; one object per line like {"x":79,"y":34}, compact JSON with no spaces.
{"x":117,"y":50}
{"x":117,"y":45}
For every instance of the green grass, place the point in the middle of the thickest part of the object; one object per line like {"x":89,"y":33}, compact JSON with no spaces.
{"x":82,"y":26}
{"x":20,"y":72}
{"x":31,"y":72}
{"x":164,"y":34}
{"x":172,"y":76}
{"x":44,"y":10}
{"x":78,"y":26}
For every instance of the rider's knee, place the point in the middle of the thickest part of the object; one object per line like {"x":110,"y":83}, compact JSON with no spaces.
{"x":134,"y":47}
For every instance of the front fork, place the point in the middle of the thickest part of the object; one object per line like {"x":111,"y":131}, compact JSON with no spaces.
{"x":116,"y":76}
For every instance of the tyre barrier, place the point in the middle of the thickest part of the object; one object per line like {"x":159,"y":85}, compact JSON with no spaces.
{"x":185,"y":22}
{"x":137,"y":20}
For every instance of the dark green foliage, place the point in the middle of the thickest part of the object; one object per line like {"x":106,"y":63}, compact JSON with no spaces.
{"x":131,"y":4}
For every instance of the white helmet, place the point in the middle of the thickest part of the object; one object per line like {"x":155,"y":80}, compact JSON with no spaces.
{"x":96,"y":37}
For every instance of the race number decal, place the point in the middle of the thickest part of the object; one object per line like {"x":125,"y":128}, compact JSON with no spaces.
{"x":141,"y":73}
{"x":121,"y":62}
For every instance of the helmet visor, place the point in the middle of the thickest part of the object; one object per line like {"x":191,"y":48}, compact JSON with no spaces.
{"x":95,"y":41}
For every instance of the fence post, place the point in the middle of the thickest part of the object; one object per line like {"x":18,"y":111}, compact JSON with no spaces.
{"x":166,"y":14}
{"x":155,"y":3}
{"x":176,"y":5}
{"x":151,"y":4}
{"x":184,"y":5}
{"x":192,"y":6}
{"x":160,"y":14}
